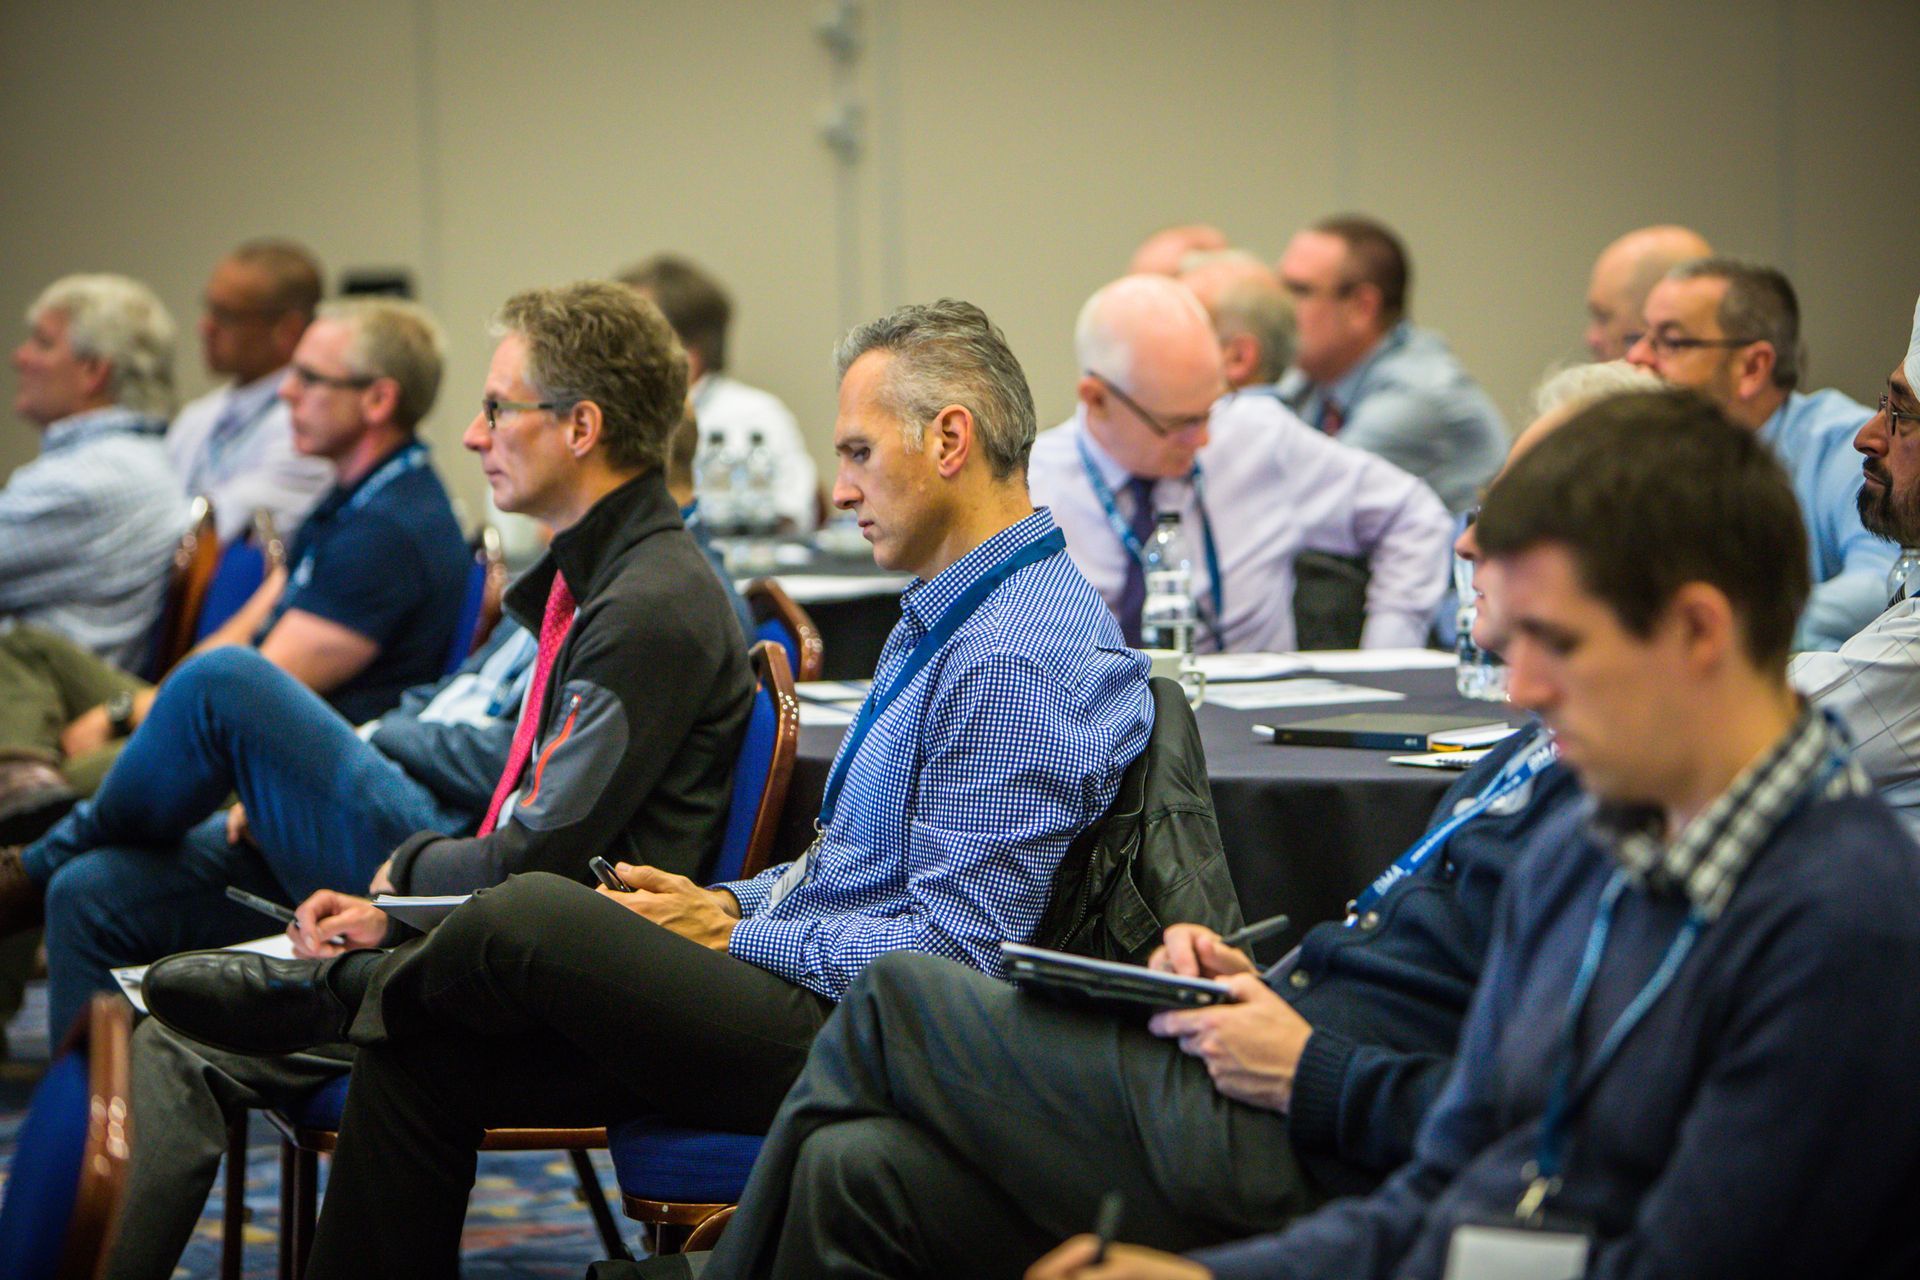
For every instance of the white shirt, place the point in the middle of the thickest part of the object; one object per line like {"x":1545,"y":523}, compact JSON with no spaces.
{"x":252,"y":465}
{"x":1274,"y":487}
{"x":737,"y":410}
{"x":1873,"y":685}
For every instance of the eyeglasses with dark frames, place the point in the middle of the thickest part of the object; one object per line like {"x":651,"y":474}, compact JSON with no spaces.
{"x":1896,"y":416}
{"x":491,"y":408}
{"x":1160,"y":426}
{"x":1666,"y":344}
{"x":313,"y":378}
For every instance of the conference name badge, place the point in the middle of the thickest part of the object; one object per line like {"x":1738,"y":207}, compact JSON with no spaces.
{"x":1515,"y":1252}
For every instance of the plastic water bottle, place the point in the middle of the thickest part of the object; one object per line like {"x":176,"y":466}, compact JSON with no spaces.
{"x":1168,"y":615}
{"x":758,"y":489}
{"x":1478,"y":673}
{"x":714,"y":484}
{"x":1901,"y":579}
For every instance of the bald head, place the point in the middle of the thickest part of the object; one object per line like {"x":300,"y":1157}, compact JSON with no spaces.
{"x":1623,"y":275}
{"x":1251,"y":313}
{"x":1152,"y":370}
{"x":1163,"y":252}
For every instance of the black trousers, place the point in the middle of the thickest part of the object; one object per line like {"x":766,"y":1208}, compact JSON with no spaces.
{"x":951,"y":1125}
{"x":540,"y":1003}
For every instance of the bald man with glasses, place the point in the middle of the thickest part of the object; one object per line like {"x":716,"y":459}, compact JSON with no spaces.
{"x":1156,"y":430}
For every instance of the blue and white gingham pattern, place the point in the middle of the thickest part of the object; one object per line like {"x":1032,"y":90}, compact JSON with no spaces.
{"x":970,"y":785}
{"x":87,"y":530}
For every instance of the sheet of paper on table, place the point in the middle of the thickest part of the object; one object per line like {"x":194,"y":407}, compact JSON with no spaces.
{"x":1305,"y":692}
{"x":1234,"y":668}
{"x":1455,"y":760}
{"x":827,"y":714}
{"x":833,"y":692}
{"x":1329,"y":662}
{"x":277,"y":944}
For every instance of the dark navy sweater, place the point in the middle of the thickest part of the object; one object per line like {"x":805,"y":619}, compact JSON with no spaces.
{"x":1386,"y":998}
{"x":1764,"y":1118}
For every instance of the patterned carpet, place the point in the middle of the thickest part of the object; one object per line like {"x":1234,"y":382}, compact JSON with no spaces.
{"x":525,"y":1220}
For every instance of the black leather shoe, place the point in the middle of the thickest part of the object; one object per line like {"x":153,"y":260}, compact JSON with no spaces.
{"x":246,"y":1003}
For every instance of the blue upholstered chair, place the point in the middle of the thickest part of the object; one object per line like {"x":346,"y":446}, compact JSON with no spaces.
{"x":69,"y":1166}
{"x":779,"y":619}
{"x":761,"y":774}
{"x":244,"y":564}
{"x":480,"y":605}
{"x":672,"y":1177}
{"x":196,"y":557}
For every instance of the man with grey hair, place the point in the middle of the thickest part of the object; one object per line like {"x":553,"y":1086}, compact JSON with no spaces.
{"x":1623,"y":275}
{"x":1249,"y":310}
{"x":1252,"y":484}
{"x":88,"y":527}
{"x":1004,"y":712}
{"x":1731,"y":331}
{"x":235,"y":444}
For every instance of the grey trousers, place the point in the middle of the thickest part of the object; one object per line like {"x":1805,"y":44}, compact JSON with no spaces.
{"x":183,"y":1094}
{"x":948,"y":1124}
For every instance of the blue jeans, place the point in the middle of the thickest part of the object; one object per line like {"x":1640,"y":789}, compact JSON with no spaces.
{"x":140,"y":870}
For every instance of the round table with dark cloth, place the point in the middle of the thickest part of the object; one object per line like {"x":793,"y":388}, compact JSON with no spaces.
{"x":1305,"y":828}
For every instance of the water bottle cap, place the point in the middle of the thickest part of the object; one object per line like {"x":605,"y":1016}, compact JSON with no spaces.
{"x":1167,"y":517}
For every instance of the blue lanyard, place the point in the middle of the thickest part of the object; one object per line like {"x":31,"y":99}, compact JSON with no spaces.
{"x":1563,"y":1097}
{"x":950,"y":621}
{"x":1523,"y":768}
{"x":408,"y":459}
{"x":1543,"y":1172}
{"x":1121,"y":530}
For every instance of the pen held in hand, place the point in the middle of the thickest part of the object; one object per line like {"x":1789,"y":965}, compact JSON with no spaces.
{"x":1259,"y":931}
{"x":1106,"y":1224}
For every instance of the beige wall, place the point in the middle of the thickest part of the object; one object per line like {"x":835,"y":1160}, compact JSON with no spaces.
{"x":1015,"y":153}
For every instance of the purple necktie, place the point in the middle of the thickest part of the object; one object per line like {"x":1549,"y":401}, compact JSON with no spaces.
{"x":1133,"y":594}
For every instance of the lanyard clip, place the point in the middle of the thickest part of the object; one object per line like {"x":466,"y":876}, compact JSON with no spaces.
{"x":1533,"y":1202}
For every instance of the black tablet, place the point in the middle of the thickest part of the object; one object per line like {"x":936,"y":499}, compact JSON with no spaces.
{"x":1082,"y":980}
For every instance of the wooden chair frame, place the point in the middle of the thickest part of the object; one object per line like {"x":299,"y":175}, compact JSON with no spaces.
{"x":105,"y":1030}
{"x":195,"y":558}
{"x":677,"y":1225}
{"x":767,"y":598}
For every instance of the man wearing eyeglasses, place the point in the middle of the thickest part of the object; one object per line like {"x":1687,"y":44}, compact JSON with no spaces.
{"x":1731,"y":331}
{"x":1155,"y":431}
{"x":1364,"y":373}
{"x":1873,"y":682}
{"x":234,"y":445}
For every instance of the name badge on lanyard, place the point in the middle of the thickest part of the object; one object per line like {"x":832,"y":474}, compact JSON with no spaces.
{"x":1516,"y":1253}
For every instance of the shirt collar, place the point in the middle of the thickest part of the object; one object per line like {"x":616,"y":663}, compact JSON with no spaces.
{"x":924,"y":601}
{"x":111,"y":420}
{"x":1709,"y":855}
{"x":256,"y":397}
{"x":1345,"y":389}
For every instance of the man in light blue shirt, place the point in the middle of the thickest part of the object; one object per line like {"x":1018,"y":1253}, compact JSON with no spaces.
{"x":1364,"y":373}
{"x":1731,"y":331}
{"x":88,"y":527}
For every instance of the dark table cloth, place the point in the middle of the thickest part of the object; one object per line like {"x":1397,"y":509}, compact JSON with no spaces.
{"x":1304,"y":828}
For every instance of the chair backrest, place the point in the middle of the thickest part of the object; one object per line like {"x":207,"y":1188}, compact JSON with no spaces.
{"x":69,"y":1168}
{"x":785,"y":623}
{"x":480,"y":605}
{"x":763,"y":769}
{"x":195,"y":559}
{"x":244,"y":564}
{"x":1329,"y":600}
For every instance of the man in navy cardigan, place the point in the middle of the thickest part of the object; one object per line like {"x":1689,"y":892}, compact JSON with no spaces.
{"x":1690,"y":1053}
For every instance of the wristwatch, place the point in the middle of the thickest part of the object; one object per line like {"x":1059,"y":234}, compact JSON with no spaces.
{"x":120,"y":713}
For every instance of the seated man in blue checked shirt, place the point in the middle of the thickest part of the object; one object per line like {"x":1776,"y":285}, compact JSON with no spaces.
{"x":1691,"y":1051}
{"x":1005,"y":710}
